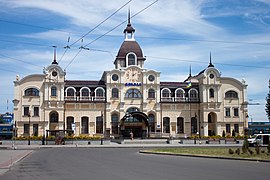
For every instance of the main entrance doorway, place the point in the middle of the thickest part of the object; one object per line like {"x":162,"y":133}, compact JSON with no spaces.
{"x":135,"y":122}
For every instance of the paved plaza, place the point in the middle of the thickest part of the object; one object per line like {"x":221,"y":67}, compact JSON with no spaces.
{"x":127,"y":163}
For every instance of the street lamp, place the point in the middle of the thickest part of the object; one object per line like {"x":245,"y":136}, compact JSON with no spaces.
{"x":29,"y":115}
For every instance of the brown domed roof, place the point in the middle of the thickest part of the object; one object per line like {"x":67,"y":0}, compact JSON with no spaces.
{"x":130,"y":46}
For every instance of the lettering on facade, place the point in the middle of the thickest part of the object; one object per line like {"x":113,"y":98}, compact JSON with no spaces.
{"x":133,"y":84}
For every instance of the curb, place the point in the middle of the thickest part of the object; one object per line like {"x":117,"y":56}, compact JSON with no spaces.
{"x":202,"y":156}
{"x":7,"y":164}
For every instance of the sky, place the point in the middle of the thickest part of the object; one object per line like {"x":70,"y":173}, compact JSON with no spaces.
{"x":173,"y":35}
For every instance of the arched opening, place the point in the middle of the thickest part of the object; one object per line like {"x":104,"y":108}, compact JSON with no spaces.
{"x":54,"y":119}
{"x":136,"y":122}
{"x":166,"y":125}
{"x":84,"y":125}
{"x":70,"y":121}
{"x":212,"y":124}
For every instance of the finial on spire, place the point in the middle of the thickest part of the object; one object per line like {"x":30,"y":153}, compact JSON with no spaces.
{"x":189,"y":71}
{"x":54,"y":56}
{"x":128,"y":15}
{"x":210,"y":63}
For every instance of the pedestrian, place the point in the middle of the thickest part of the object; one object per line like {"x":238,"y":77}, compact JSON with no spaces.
{"x":131,"y":135}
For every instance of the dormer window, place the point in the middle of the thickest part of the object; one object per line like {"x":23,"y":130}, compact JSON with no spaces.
{"x":31,"y":92}
{"x":131,"y":59}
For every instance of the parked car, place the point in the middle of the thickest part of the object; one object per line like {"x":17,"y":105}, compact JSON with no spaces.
{"x":261,"y":139}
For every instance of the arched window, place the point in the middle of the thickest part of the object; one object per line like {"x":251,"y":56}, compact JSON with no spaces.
{"x":70,"y":121}
{"x":115,"y":93}
{"x":132,"y":109}
{"x":53,"y":117}
{"x":131,"y":59}
{"x":151,"y":94}
{"x":133,"y":93}
{"x":99,"y":93}
{"x":209,"y":118}
{"x":211,"y":93}
{"x":165,"y":93}
{"x":151,"y":119}
{"x":166,"y":125}
{"x":193,"y":95}
{"x":53,"y":91}
{"x":85,"y":93}
{"x":231,"y":95}
{"x":70,"y":92}
{"x":114,"y":122}
{"x":31,"y":92}
{"x":180,"y":125}
{"x":179,"y":95}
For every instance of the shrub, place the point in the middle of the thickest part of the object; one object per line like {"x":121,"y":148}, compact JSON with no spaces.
{"x":257,"y":148}
{"x":237,"y":151}
{"x":245,"y":146}
{"x":250,"y":152}
{"x":231,"y":151}
{"x":223,"y":133}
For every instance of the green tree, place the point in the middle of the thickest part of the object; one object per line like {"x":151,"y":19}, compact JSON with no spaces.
{"x":267,"y":106}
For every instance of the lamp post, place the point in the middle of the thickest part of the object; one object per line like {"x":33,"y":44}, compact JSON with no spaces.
{"x":29,"y":115}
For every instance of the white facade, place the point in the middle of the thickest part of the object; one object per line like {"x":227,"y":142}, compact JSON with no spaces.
{"x":129,"y":98}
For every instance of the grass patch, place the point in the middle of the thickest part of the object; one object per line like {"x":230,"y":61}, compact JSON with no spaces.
{"x":214,"y":152}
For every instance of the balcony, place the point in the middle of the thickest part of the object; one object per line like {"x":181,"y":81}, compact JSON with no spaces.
{"x":84,"y":98}
{"x":179,"y":99}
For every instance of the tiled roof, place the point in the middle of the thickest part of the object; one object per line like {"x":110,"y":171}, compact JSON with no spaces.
{"x":84,"y":83}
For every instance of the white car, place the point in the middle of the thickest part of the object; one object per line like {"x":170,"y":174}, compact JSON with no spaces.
{"x":261,"y":139}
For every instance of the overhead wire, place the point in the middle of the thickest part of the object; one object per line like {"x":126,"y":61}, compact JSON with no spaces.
{"x":121,"y":23}
{"x":68,"y":46}
{"x":101,"y":23}
{"x":113,"y":29}
{"x":201,"y":62}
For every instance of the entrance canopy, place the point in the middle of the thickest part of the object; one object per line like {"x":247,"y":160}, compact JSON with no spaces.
{"x":138,"y":115}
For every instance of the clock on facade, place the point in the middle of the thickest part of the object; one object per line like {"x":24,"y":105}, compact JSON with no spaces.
{"x":211,"y":76}
{"x":114,"y":77}
{"x":54,"y":73}
{"x":151,"y":78}
{"x":133,"y":75}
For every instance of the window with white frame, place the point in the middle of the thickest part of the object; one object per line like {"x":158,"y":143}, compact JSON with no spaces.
{"x":131,"y":59}
{"x":53,"y":91}
{"x":227,"y":112}
{"x":151,"y":93}
{"x":236,"y":112}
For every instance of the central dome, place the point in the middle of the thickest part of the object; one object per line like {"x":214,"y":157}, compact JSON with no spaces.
{"x":128,"y":47}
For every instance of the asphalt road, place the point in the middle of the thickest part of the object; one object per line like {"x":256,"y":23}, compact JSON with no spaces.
{"x":128,"y":164}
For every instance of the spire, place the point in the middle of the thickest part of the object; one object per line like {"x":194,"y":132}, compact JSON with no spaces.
{"x":210,"y":63}
{"x":129,"y":16}
{"x":129,"y":31}
{"x":189,"y":71}
{"x":54,"y":56}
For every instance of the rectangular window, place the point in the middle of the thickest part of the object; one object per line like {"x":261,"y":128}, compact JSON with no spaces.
{"x":36,"y":111}
{"x":99,"y":124}
{"x":26,"y":111}
{"x":26,"y":129}
{"x":227,"y":112}
{"x":236,"y":112}
{"x":228,"y":128}
{"x":236,"y":128}
{"x":35,"y":129}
